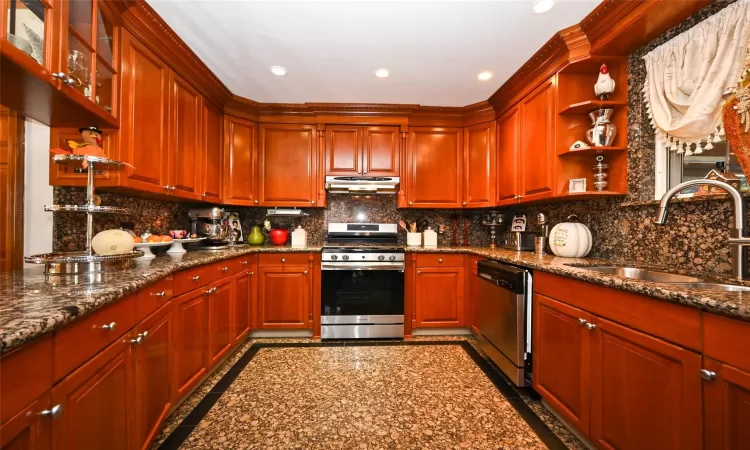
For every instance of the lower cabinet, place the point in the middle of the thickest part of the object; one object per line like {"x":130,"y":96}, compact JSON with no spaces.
{"x":726,"y":406}
{"x":243,"y":299}
{"x":621,"y":388}
{"x":153,"y":361}
{"x":28,"y":430}
{"x":439,"y":297}
{"x":189,"y":340}
{"x":220,"y":302}
{"x":95,"y":402}
{"x":284,"y":297}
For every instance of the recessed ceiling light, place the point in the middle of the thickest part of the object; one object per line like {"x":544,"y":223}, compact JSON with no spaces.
{"x":278,"y":70}
{"x":484,"y":76}
{"x":382,"y":73}
{"x":542,"y":6}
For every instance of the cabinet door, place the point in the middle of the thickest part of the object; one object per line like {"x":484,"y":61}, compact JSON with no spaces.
{"x":189,"y":341}
{"x":439,"y":297}
{"x":343,"y":150}
{"x":244,"y":288}
{"x":27,"y":430}
{"x":646,"y":393}
{"x":726,"y":407}
{"x":287,"y":152}
{"x":145,"y":109}
{"x":479,"y":165}
{"x":153,"y":363}
{"x":561,"y":353}
{"x":219,"y":320}
{"x":211,"y":159}
{"x":537,"y":143}
{"x":240,"y":161}
{"x":508,"y":141}
{"x":381,"y":151}
{"x":435,"y":159}
{"x":96,"y":402}
{"x":185,"y":165}
{"x":283,"y":297}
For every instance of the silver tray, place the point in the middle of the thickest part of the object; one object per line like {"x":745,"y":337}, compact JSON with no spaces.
{"x":76,"y":160}
{"x":87,"y":209}
{"x":72,"y":263}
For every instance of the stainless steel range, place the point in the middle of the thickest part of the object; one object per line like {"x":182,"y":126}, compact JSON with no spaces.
{"x":362,"y":282}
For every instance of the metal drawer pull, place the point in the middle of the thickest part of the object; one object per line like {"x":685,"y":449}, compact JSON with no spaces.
{"x":160,"y":294}
{"x":244,"y":263}
{"x":305,"y":272}
{"x":224,"y":269}
{"x":582,"y":321}
{"x":590,"y":326}
{"x":251,"y":273}
{"x":419,"y":272}
{"x":283,"y":260}
{"x":196,"y":278}
{"x":708,"y":375}
{"x":53,"y":412}
{"x":138,"y":339}
{"x":211,"y":291}
{"x":440,"y":260}
{"x":109,"y":326}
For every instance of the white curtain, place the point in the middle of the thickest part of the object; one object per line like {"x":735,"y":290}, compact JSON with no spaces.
{"x":690,"y":76}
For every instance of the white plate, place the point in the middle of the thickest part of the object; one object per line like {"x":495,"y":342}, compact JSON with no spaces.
{"x":177,"y":245}
{"x":146,"y":248}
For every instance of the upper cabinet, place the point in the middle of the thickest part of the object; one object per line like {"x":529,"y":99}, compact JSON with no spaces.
{"x":537,"y":151}
{"x":288,"y":165}
{"x":185,"y":140}
{"x":434,"y":168}
{"x":362,"y":151}
{"x":211,"y":155}
{"x":508,"y":144}
{"x":240,"y":162}
{"x":479,"y":165}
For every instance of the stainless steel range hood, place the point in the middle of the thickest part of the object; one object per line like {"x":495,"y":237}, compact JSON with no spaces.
{"x":362,"y":185}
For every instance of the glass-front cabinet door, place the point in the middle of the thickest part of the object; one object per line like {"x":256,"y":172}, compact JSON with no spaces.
{"x":88,"y":49}
{"x":27,"y":34}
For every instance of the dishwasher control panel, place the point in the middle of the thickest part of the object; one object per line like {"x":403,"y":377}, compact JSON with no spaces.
{"x":509,"y":277}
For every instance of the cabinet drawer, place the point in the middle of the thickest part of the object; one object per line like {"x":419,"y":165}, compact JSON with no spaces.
{"x":439,"y":260}
{"x":81,"y":340}
{"x":26,"y":374}
{"x":191,"y":279}
{"x":153,"y":297}
{"x":283,"y":259}
{"x":473,"y":263}
{"x":245,"y":262}
{"x":727,"y":340}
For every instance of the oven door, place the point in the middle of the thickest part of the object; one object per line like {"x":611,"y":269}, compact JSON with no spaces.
{"x":366,"y":294}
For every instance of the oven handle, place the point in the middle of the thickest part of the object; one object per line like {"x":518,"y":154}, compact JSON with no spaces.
{"x":371,"y":266}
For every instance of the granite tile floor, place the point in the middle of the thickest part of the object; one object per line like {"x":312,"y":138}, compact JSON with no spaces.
{"x":297,"y":394}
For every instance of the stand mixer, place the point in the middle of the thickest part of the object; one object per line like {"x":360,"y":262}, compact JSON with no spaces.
{"x":207,"y":223}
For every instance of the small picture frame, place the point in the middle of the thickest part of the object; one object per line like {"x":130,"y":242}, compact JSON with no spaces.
{"x":577,"y":185}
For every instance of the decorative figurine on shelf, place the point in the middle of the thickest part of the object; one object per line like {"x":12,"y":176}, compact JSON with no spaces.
{"x":91,"y":145}
{"x":605,"y":85}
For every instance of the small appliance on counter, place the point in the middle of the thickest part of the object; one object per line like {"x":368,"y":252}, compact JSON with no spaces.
{"x":209,"y":223}
{"x":520,"y":241}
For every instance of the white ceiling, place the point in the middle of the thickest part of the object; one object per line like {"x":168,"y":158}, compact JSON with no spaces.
{"x":433,"y":49}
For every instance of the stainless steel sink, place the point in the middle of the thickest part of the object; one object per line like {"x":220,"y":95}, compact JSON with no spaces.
{"x":716,"y":287}
{"x":643,"y":274}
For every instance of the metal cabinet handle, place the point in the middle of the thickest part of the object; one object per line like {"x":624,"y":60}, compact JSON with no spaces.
{"x":283,"y":260}
{"x":138,"y":339}
{"x":411,"y":203}
{"x":365,"y":172}
{"x":166,"y":187}
{"x":58,"y":75}
{"x":196,"y":278}
{"x":251,"y":273}
{"x":256,"y":201}
{"x":172,"y":188}
{"x":464,"y":203}
{"x":313,"y":202}
{"x":244,"y":263}
{"x":305,"y":272}
{"x":203,"y":194}
{"x":224,"y":269}
{"x":53,"y":412}
{"x":590,"y":326}
{"x":109,"y":326}
{"x":211,"y":291}
{"x":419,"y":272}
{"x":440,"y":260}
{"x":708,"y":375}
{"x":159,"y":294}
{"x":70,"y":82}
{"x":582,"y":321}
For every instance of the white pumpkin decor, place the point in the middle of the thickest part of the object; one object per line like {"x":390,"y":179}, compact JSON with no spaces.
{"x":570,"y":239}
{"x":112,"y":242}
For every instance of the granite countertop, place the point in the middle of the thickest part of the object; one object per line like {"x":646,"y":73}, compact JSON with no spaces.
{"x":32,"y":306}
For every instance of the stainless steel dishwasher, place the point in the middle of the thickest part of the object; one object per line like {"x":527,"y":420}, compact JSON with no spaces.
{"x":504,"y":318}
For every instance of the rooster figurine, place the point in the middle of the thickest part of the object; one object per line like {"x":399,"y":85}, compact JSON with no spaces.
{"x":605,"y":85}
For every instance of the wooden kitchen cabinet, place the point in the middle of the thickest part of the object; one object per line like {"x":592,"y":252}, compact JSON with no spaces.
{"x":153,"y":367}
{"x":243,"y":300}
{"x":211,"y":154}
{"x":362,"y":151}
{"x":537,"y":150}
{"x":434,"y":168}
{"x":284,"y":297}
{"x":288,"y":165}
{"x":726,"y":407}
{"x":144,"y":140}
{"x":439,"y":297}
{"x":184,"y":165}
{"x":240,"y":162}
{"x":508,"y":145}
{"x":96,"y":401}
{"x":645,"y":392}
{"x":28,"y":430}
{"x":343,"y":150}
{"x":189,"y":341}
{"x":562,"y":357}
{"x":479,"y":174}
{"x":220,"y":302}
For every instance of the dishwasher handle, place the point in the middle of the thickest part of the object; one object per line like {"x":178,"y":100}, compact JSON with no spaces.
{"x":508,"y":277}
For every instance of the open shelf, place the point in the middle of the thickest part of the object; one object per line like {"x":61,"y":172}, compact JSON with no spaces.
{"x":592,"y":151}
{"x":591,"y":105}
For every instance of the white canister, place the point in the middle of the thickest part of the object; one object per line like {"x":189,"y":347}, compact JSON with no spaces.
{"x":299,"y":237}
{"x":413,"y":239}
{"x":430,"y":237}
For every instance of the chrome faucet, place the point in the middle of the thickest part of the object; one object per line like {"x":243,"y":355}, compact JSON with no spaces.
{"x":737,"y":240}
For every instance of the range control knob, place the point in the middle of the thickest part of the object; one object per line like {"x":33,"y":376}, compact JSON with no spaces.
{"x":345,"y":257}
{"x":392,"y":257}
{"x":334,"y":257}
{"x":381,"y":257}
